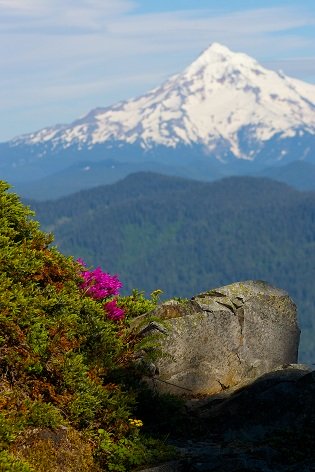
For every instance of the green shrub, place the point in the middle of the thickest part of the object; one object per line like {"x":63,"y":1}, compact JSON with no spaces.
{"x":9,"y":463}
{"x":129,"y":452}
{"x":43,"y":415}
{"x":7,"y":431}
{"x":59,"y":352}
{"x":136,"y":304}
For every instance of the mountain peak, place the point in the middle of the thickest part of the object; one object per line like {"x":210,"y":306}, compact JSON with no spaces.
{"x":224,"y":101}
{"x":214,"y":53}
{"x":218,"y":59}
{"x":216,"y":49}
{"x":219,"y":55}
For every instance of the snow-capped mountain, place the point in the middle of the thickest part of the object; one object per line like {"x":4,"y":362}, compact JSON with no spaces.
{"x":225,"y":105}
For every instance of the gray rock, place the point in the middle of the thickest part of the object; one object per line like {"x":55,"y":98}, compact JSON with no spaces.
{"x":275,"y":400}
{"x":222,"y":338}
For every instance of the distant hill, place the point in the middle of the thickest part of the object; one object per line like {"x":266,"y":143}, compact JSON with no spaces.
{"x":185,"y":236}
{"x":298,"y":174}
{"x":86,"y":175}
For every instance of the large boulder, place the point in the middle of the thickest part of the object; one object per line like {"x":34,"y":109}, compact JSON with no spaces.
{"x":221,"y":338}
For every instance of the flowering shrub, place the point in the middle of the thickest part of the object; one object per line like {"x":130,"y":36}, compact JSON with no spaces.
{"x":65,"y":366}
{"x":101,"y":285}
{"x":114,"y":312}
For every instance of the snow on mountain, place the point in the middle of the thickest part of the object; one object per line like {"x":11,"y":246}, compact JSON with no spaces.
{"x":220,"y":94}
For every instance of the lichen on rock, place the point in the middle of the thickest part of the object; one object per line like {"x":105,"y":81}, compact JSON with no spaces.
{"x":224,"y":337}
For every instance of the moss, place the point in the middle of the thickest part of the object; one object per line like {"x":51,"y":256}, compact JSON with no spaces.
{"x":62,"y":450}
{"x":9,"y":463}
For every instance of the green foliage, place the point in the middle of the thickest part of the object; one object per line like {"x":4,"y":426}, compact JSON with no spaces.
{"x":130,"y":452}
{"x":7,"y":431}
{"x":136,"y":304}
{"x":58,"y":353}
{"x":8,"y":463}
{"x":47,"y":450}
{"x":40,"y":414}
{"x":181,"y":300}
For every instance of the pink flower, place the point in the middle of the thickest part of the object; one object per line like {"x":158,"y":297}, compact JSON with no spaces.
{"x":81,"y":262}
{"x":99,"y":284}
{"x":113,"y":311}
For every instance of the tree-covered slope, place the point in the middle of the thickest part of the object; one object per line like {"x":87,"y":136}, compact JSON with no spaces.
{"x":184,"y":236}
{"x":298,"y":174}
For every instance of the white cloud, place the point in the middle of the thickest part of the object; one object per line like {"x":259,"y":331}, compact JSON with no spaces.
{"x":21,"y":6}
{"x":32,"y":6}
{"x":254,"y":21}
{"x":35,"y":15}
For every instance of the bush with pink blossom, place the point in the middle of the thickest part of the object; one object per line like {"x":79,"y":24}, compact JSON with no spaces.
{"x":104,"y":287}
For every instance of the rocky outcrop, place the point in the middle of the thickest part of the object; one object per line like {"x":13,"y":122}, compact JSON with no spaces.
{"x":221,"y":338}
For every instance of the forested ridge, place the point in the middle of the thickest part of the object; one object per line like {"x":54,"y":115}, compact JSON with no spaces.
{"x":184,"y":236}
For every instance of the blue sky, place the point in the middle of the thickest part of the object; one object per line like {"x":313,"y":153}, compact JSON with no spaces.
{"x":61,"y":58}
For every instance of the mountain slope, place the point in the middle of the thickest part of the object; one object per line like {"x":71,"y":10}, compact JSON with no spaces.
{"x":298,"y":174}
{"x":216,"y":96}
{"x":224,"y":106}
{"x":184,"y":236}
{"x":85,"y":175}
